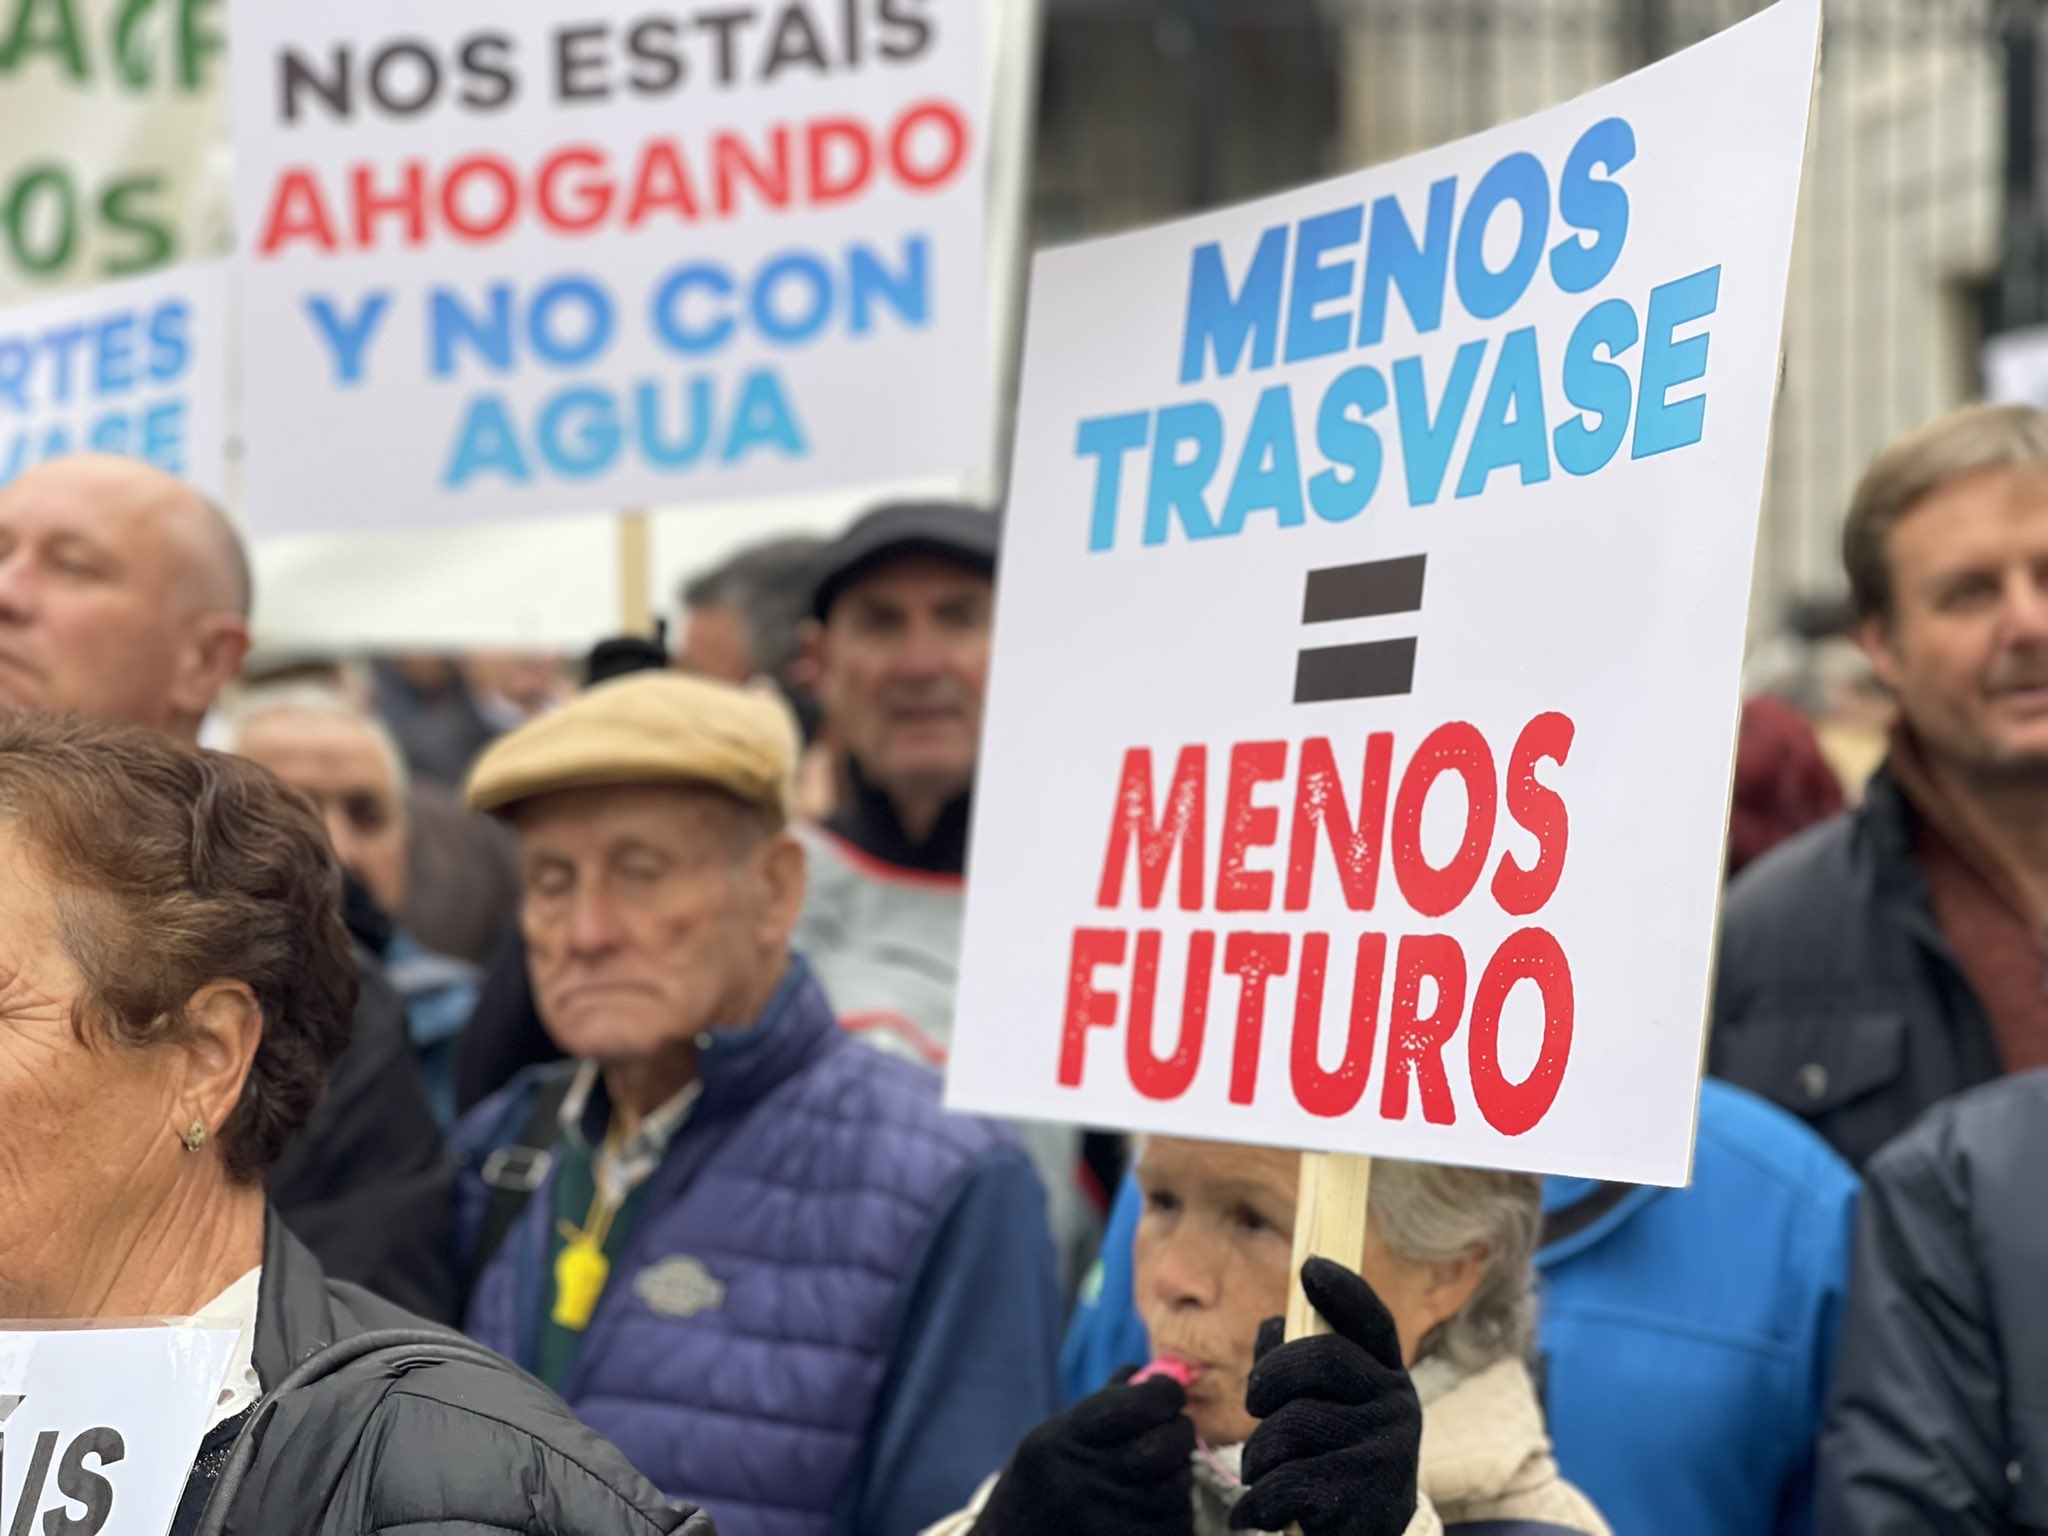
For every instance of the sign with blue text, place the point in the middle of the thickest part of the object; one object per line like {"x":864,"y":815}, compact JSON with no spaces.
{"x":1365,"y":680}
{"x":136,"y":368}
{"x":506,"y":258}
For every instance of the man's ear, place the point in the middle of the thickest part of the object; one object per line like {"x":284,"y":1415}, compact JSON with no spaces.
{"x":1874,"y":635}
{"x":811,"y":669}
{"x":213,"y":653}
{"x":780,"y":867}
{"x":223,"y":1028}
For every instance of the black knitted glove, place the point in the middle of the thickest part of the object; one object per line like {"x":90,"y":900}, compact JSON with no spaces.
{"x":1341,"y":1435}
{"x":1115,"y":1464}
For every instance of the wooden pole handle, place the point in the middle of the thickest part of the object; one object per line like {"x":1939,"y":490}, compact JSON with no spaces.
{"x":1329,"y":1220}
{"x":636,"y":594}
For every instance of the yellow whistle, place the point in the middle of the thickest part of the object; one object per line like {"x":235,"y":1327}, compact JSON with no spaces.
{"x":580,"y":1273}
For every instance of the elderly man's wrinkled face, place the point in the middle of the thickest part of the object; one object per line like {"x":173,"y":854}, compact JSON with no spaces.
{"x":904,"y":671}
{"x":1213,"y":1260}
{"x":651,"y":914}
{"x":341,"y":766}
{"x":88,"y":1142}
{"x":116,"y":596}
{"x":1966,"y":651}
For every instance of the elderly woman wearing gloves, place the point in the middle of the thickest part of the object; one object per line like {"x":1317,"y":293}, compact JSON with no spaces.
{"x":1414,"y":1416}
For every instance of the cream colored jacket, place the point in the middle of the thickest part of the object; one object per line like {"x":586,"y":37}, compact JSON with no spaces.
{"x":1485,"y":1456}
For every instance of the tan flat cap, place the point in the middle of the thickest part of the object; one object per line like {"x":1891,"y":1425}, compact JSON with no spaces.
{"x":646,"y":728}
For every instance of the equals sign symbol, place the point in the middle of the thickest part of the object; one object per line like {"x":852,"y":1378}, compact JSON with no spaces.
{"x":1370,"y":669}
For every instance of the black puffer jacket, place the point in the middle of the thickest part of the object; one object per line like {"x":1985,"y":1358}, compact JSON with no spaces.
{"x":365,"y":1184}
{"x":428,"y":1439}
{"x":1939,"y":1424}
{"x":1837,"y":996}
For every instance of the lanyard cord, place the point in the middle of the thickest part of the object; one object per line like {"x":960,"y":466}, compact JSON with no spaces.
{"x":606,"y":1199}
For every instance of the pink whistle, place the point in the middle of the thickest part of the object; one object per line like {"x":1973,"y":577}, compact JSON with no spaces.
{"x":1179,"y":1370}
{"x":1184,"y":1373}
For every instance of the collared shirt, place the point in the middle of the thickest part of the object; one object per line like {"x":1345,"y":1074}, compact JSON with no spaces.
{"x":595,"y":1174}
{"x":622,"y":1169}
{"x":236,"y":1307}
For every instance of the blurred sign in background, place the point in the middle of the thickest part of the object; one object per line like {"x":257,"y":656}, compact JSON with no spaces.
{"x":1921,"y":233}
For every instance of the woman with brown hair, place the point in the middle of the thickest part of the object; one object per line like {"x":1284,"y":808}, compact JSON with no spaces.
{"x":175,"y":981}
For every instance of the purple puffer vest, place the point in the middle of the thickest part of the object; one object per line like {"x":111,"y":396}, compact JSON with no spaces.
{"x":738,"y":1350}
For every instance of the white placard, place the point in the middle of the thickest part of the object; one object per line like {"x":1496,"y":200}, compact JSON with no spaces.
{"x":1365,"y":676}
{"x":509,"y":259}
{"x":137,"y":368}
{"x":99,"y":1426}
{"x":2016,"y":366}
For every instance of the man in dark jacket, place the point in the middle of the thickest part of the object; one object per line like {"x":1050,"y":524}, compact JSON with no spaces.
{"x":430,"y":1434}
{"x":1939,"y":1423}
{"x":1893,"y":957}
{"x":899,"y":641}
{"x":756,"y":1255}
{"x":124,"y":596}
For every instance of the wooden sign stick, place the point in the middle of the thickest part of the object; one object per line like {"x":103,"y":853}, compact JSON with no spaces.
{"x":636,"y":598}
{"x":1329,"y":1219}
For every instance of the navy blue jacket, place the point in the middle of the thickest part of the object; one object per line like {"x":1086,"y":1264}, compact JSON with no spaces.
{"x":1939,"y":1425}
{"x":872,"y":1317}
{"x":1837,"y":995}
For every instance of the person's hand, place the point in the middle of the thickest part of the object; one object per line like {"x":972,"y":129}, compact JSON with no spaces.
{"x":1341,"y":1431}
{"x":1119,"y":1463}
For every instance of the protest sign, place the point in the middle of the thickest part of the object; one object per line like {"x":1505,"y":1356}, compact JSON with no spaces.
{"x":547,"y":259}
{"x":113,"y":129}
{"x":1374,"y":584}
{"x":554,"y":581}
{"x":136,"y":368}
{"x":99,"y":1426}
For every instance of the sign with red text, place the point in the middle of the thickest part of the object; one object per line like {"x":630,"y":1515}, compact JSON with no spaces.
{"x":135,"y":368}
{"x":528,"y":258}
{"x":1365,"y":675}
{"x":99,"y":1426}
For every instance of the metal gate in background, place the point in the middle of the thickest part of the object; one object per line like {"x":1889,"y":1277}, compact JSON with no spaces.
{"x":1904,"y":259}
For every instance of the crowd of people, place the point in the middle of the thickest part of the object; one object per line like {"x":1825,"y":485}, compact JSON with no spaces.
{"x":539,"y":1064}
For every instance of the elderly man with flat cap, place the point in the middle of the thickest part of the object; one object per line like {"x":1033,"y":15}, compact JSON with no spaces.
{"x":754,"y":1254}
{"x":125,"y":596}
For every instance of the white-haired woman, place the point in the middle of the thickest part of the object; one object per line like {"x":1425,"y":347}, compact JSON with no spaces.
{"x":1416,"y":1415}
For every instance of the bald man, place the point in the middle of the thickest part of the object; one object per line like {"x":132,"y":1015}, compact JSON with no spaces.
{"x":125,"y":595}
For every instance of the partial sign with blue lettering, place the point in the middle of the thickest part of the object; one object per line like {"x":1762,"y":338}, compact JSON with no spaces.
{"x":1374,"y":585}
{"x":542,"y":258}
{"x":135,"y":368}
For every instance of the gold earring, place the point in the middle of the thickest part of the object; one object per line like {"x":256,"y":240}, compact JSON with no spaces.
{"x":195,"y":1135}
